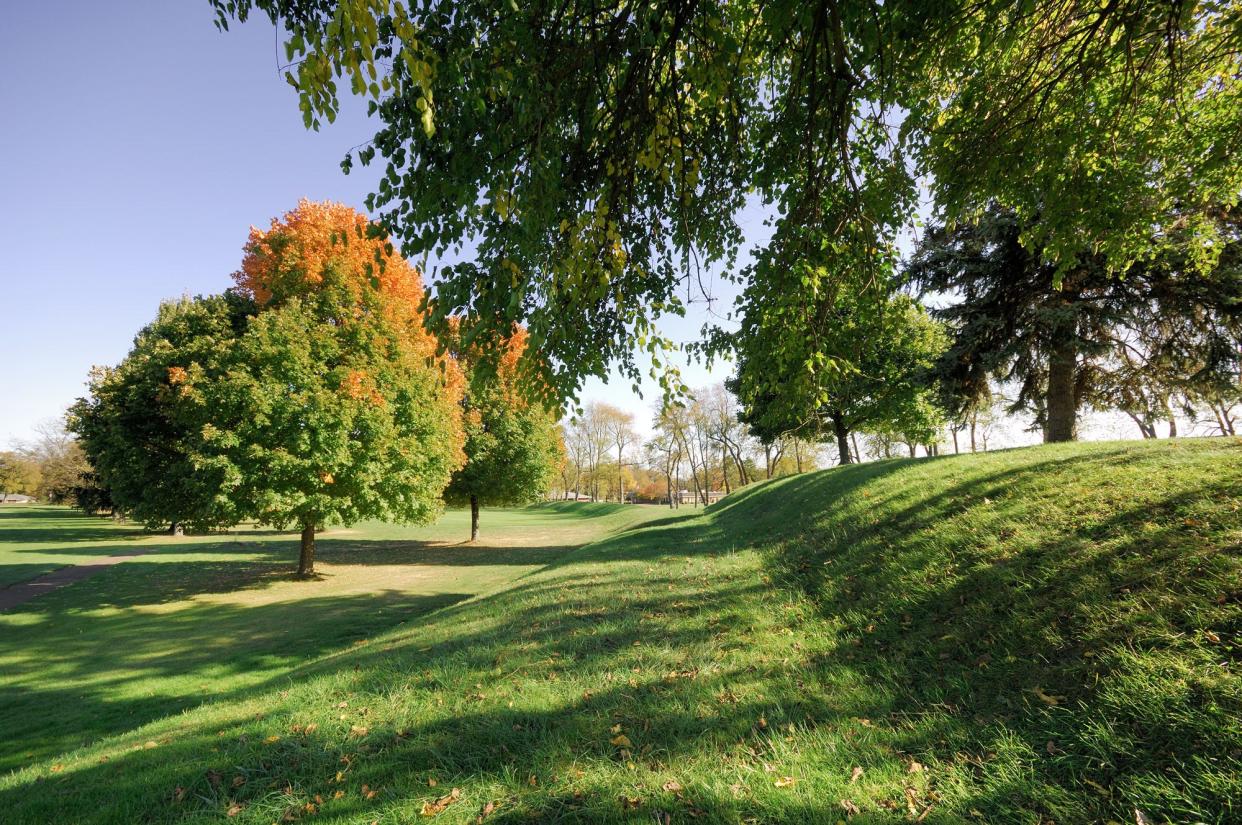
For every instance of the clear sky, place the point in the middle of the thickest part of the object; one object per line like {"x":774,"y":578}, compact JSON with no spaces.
{"x":139,"y":145}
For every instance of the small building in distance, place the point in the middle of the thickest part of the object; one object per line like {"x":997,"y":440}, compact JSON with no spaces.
{"x":16,"y":498}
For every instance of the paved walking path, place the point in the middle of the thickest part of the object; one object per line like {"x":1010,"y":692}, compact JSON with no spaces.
{"x":18,"y":594}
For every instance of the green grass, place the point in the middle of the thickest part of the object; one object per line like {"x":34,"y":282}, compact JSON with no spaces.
{"x":1047,"y":634}
{"x":215,"y":617}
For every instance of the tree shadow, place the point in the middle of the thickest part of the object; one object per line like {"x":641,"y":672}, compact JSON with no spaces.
{"x":60,"y":525}
{"x":923,"y":636}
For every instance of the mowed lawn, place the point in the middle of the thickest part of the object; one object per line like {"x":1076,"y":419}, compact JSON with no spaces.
{"x":1045,"y":635}
{"x":212,"y":617}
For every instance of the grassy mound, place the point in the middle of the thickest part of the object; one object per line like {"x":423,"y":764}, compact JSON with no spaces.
{"x":1048,"y":634}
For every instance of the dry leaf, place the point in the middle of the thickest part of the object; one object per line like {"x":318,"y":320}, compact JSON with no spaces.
{"x":1047,"y":698}
{"x":916,"y":767}
{"x":855,"y":775}
{"x":311,"y":728}
{"x":785,"y":782}
{"x":630,"y":802}
{"x":850,"y":808}
{"x":1141,"y":818}
{"x":672,"y":786}
{"x":178,"y":794}
{"x":431,"y":782}
{"x":57,"y":768}
{"x":433,"y":808}
{"x":1100,"y":788}
{"x":1211,"y":637}
{"x":358,"y":730}
{"x":487,"y":810}
{"x":621,"y":741}
{"x":269,"y":740}
{"x":234,"y":809}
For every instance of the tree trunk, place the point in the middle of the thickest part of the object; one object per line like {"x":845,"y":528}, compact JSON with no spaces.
{"x":974,"y":418}
{"x":1172,"y":420}
{"x":1061,"y":413}
{"x":854,"y":441}
{"x":474,"y":518}
{"x":767,"y":460}
{"x":843,"y":438}
{"x":306,"y":561}
{"x":175,"y":529}
{"x":954,"y":431}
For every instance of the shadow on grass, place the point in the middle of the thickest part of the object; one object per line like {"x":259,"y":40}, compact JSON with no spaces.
{"x":196,"y":647}
{"x":934,"y":612}
{"x":37,"y":525}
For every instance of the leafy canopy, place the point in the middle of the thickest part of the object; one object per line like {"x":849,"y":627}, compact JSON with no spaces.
{"x":140,"y":425}
{"x":513,"y":447}
{"x":308,"y":394}
{"x":599,"y":153}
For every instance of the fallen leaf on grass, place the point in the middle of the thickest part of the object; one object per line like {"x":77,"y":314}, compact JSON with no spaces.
{"x":57,"y":768}
{"x":271,"y":739}
{"x":358,"y":730}
{"x":234,"y":809}
{"x":850,"y":808}
{"x":630,"y":802}
{"x":621,"y":741}
{"x":785,"y":782}
{"x":433,"y":808}
{"x":855,"y":775}
{"x":1100,"y":788}
{"x":178,"y":794}
{"x":1046,"y":698}
{"x":672,"y":786}
{"x":487,"y":810}
{"x":916,"y":767}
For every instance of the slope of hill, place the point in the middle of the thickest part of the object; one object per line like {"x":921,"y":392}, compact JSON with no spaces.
{"x":1038,"y":635}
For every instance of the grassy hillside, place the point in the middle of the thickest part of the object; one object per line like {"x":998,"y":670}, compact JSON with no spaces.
{"x":1048,"y":634}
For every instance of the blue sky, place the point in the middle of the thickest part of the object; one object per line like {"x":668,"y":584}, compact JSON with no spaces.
{"x":139,"y":145}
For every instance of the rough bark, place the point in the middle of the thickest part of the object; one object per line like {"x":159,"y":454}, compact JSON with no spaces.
{"x":843,"y":438}
{"x":306,"y":560}
{"x":474,"y":518}
{"x":175,"y":529}
{"x":1061,"y":414}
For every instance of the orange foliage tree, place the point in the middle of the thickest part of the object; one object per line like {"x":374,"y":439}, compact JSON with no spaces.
{"x":337,"y":407}
{"x":513,"y":447}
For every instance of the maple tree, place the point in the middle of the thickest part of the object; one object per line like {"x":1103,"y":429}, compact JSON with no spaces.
{"x":141,"y":429}
{"x":310,"y":393}
{"x":335,"y":407}
{"x":513,"y":447}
